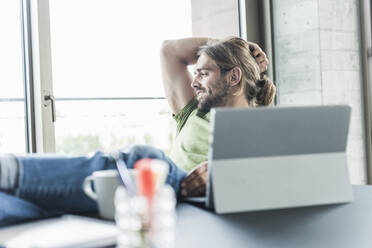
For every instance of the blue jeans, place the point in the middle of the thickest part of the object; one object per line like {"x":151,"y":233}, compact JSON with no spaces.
{"x":51,"y":185}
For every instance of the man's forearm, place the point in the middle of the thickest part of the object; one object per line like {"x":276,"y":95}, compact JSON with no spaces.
{"x":184,"y":49}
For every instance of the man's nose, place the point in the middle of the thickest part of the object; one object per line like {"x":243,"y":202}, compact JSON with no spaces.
{"x":195,"y":82}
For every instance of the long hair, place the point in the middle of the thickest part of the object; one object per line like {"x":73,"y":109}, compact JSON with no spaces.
{"x":232,"y":52}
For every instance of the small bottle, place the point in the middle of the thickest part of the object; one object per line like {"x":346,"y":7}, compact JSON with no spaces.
{"x":163,"y":222}
{"x":146,"y":221}
{"x":128,"y":212}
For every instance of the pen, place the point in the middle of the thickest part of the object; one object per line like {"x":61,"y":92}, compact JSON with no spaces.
{"x":125,"y":176}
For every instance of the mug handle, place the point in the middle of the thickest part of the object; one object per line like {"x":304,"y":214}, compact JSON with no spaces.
{"x":87,"y":187}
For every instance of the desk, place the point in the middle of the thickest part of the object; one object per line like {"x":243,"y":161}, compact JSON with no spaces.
{"x":341,"y":226}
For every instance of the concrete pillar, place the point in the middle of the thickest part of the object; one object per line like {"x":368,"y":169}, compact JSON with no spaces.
{"x":317,"y":61}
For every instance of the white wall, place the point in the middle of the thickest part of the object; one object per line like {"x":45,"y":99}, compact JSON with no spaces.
{"x":215,"y":18}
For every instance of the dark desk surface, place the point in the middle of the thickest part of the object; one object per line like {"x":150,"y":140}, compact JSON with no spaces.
{"x":341,"y":225}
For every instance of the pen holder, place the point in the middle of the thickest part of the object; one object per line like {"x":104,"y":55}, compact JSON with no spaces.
{"x":143,"y":223}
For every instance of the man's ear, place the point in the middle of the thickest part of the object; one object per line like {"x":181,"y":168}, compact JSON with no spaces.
{"x":235,"y":76}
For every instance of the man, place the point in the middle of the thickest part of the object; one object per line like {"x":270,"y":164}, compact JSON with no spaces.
{"x":226,"y":74}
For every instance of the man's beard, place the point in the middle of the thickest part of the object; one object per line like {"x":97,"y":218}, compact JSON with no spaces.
{"x":215,"y":96}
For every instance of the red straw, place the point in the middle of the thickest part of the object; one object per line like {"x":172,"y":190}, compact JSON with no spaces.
{"x":146,"y":180}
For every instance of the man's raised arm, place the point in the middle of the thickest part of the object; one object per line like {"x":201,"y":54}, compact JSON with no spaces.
{"x":175,"y":56}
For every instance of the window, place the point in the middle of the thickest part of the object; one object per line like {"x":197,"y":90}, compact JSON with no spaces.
{"x":12,"y":108}
{"x":106,"y":71}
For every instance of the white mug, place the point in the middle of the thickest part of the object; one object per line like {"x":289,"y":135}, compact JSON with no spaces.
{"x":105,"y":183}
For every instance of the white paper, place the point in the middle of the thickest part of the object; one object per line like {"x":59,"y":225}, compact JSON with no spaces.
{"x":66,"y":232}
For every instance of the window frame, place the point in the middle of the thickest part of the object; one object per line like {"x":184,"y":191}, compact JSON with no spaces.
{"x":37,"y":75}
{"x":365,"y":9}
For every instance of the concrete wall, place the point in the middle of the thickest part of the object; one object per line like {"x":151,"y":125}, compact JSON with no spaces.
{"x":317,"y":53}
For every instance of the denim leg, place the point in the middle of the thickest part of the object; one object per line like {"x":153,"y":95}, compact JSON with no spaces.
{"x":55,"y":182}
{"x":14,"y":209}
{"x":175,"y":174}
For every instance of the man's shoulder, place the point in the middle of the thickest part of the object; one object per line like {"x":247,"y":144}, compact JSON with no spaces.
{"x":191,"y":113}
{"x":191,"y":106}
{"x":182,"y":116}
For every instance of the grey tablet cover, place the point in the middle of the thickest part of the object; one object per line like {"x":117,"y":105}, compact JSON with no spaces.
{"x":278,"y":157}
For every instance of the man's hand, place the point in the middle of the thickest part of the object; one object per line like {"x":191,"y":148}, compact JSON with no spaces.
{"x":259,"y":55}
{"x":195,"y":182}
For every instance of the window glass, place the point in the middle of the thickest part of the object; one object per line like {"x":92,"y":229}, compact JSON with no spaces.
{"x":106,"y":66}
{"x":12,"y":110}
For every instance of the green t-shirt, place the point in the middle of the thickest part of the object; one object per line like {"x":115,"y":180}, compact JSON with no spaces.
{"x":192,"y":137}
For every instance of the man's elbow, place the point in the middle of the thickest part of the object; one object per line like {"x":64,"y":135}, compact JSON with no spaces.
{"x":166,"y":47}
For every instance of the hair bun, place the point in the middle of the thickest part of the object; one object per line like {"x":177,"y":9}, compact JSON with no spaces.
{"x":261,"y":82}
{"x":266,"y":93}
